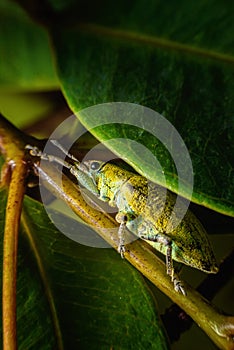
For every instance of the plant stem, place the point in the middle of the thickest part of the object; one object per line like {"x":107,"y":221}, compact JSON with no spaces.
{"x":10,"y":243}
{"x":12,"y":143}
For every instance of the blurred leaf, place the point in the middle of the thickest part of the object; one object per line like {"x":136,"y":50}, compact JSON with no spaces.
{"x":25,"y":56}
{"x":96,"y":299}
{"x":124,"y":55}
{"x":24,"y":109}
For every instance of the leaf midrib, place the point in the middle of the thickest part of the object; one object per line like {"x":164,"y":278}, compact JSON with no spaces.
{"x":152,"y":41}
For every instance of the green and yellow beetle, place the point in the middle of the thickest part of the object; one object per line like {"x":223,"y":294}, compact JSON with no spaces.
{"x":138,"y":202}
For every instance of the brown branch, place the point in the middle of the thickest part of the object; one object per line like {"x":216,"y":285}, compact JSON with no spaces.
{"x":10,"y":244}
{"x":14,"y":172}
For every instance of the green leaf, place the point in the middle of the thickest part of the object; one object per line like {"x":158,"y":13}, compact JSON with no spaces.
{"x":24,"y":109}
{"x":177,"y":60}
{"x":78,"y":296}
{"x":25,"y":54}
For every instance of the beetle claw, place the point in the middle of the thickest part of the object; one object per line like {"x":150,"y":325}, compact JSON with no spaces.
{"x":121,"y":250}
{"x":178,"y":286}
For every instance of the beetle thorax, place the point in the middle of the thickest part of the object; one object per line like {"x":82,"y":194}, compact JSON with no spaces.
{"x":109,"y":181}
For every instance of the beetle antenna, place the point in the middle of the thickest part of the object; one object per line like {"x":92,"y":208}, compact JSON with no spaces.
{"x":57,"y":144}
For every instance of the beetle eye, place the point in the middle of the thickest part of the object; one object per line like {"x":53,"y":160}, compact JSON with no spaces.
{"x":95,"y":165}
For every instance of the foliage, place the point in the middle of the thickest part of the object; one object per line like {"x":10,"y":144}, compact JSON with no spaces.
{"x":174,"y":58}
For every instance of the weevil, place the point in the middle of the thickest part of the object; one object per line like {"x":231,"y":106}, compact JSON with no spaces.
{"x":129,"y":193}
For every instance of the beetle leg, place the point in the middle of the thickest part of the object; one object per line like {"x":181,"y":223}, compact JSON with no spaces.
{"x":171,"y":272}
{"x":122,"y":219}
{"x":121,"y":247}
{"x":169,"y":261}
{"x":166,"y":241}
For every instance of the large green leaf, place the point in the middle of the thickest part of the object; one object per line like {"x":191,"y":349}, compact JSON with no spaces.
{"x":175,"y":59}
{"x":25,"y":56}
{"x":96,"y":299}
